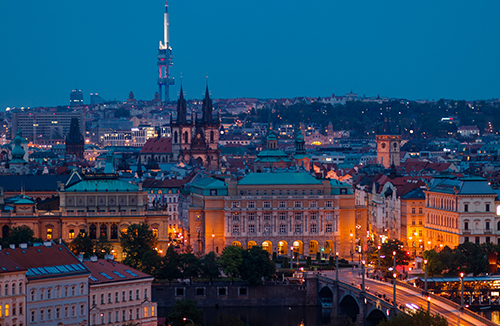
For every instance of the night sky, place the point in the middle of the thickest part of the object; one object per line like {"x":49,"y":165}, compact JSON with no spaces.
{"x":265,"y":49}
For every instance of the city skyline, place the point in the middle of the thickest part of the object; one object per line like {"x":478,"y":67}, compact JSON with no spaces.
{"x":282,"y":49}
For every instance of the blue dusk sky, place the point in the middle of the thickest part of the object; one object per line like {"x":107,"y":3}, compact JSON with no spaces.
{"x":264,"y":49}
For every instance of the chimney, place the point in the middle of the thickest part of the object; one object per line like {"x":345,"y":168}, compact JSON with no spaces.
{"x":80,"y":257}
{"x":23,"y":245}
{"x":47,"y":243}
{"x":13,"y":246}
{"x":93,"y":258}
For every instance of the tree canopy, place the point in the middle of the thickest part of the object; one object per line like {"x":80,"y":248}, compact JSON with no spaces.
{"x":230,"y":261}
{"x":137,"y":240}
{"x":185,"y":309}
{"x":21,"y":234}
{"x":256,"y":265}
{"x":82,"y":244}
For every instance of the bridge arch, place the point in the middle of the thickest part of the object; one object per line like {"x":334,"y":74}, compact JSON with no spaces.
{"x":349,"y":305}
{"x":375,"y":316}
{"x":325,"y":295}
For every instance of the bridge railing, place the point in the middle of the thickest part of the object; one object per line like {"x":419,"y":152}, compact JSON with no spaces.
{"x":454,"y":305}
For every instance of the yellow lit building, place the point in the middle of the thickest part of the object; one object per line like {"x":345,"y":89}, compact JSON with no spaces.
{"x":278,"y":211}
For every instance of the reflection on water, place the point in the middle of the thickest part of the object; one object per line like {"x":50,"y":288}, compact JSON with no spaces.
{"x":495,"y":317}
{"x":269,"y":316}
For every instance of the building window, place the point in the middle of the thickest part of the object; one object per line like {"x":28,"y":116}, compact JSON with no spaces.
{"x":282,"y":228}
{"x":251,"y":216}
{"x":329,"y":228}
{"x":49,"y":234}
{"x":236,"y":217}
{"x":298,"y":216}
{"x":466,"y":207}
{"x":466,"y":239}
{"x":282,"y":204}
{"x":267,"y":216}
{"x":235,"y":204}
{"x":123,"y":296}
{"x":413,"y":221}
{"x":282,"y":216}
{"x":109,"y":297}
{"x":102,"y":298}
{"x":251,"y":228}
{"x":328,"y":203}
{"x":58,"y":313}
{"x":251,"y":204}
{"x":267,"y":204}
{"x":82,"y":310}
{"x":298,"y":228}
{"x":66,"y":312}
{"x":114,"y":231}
{"x":155,"y":232}
{"x":145,"y":293}
{"x":92,"y":231}
{"x":413,"y":210}
{"x":71,"y":234}
{"x":297,"y":204}
{"x":487,"y":225}
{"x":73,"y":290}
{"x":137,"y":296}
{"x":313,"y":204}
{"x":130,"y":295}
{"x":313,"y":228}
{"x":73,"y":311}
{"x":487,"y":207}
{"x":116,"y":296}
{"x":487,"y":239}
{"x":477,"y":240}
{"x":420,"y":210}
{"x":329,"y":216}
{"x":313,"y":216}
{"x":117,"y":318}
{"x":466,"y":225}
{"x":33,"y":316}
{"x":236,"y":228}
{"x":42,"y":297}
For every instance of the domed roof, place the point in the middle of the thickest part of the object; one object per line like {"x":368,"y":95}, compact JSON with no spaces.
{"x":18,"y":151}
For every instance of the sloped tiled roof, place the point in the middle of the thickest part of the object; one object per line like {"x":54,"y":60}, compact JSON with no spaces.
{"x":279,"y":178}
{"x":109,"y":271}
{"x":157,"y":146}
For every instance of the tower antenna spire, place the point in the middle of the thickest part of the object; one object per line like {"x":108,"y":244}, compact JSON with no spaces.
{"x":165,"y":59}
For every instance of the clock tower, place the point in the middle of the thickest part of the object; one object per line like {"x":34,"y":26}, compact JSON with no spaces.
{"x":388,"y":145}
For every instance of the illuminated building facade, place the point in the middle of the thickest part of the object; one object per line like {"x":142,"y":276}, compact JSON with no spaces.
{"x":274,"y":210}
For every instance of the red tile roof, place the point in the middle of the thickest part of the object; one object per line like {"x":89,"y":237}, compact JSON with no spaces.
{"x":157,"y":146}
{"x":107,"y":271}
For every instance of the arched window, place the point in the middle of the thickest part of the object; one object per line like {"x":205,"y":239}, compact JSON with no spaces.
{"x":92,"y":231}
{"x":185,"y":137}
{"x":13,"y":288}
{"x":21,"y":288}
{"x":114,"y":231}
{"x":212,"y":136}
{"x":103,"y":231}
{"x":498,"y":226}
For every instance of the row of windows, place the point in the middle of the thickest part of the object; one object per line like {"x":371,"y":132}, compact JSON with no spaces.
{"x":47,"y":314}
{"x":280,"y":192}
{"x":12,"y":288}
{"x":100,"y":318}
{"x":5,"y":310}
{"x":281,"y":204}
{"x":283,"y":216}
{"x":413,"y":210}
{"x":201,"y":291}
{"x":123,"y":296}
{"x":313,"y":228}
{"x":486,"y":225}
{"x":54,"y":293}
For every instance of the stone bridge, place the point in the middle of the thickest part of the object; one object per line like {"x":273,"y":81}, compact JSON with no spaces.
{"x":348,"y":300}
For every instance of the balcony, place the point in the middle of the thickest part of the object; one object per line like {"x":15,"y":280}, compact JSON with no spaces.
{"x":466,"y":231}
{"x":488,"y":231}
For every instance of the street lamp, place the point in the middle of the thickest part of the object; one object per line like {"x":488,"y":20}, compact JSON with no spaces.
{"x":363,"y":271}
{"x":352,"y":248}
{"x":462,"y":290}
{"x":213,"y":241}
{"x":425,"y":288}
{"x":394,"y":281}
{"x":378,"y":256}
{"x":186,"y":319}
{"x":337,"y":268}
{"x":291,"y":257}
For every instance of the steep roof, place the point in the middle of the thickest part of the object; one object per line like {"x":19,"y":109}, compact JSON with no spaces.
{"x":110,"y":271}
{"x":31,"y":183}
{"x":279,"y":178}
{"x":45,"y":261}
{"x":157,"y":145}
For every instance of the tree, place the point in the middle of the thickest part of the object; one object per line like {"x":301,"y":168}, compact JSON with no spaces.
{"x":137,"y":240}
{"x":190,"y":266}
{"x":386,"y":256}
{"x":230,"y":261}
{"x":256,"y":265}
{"x":471,"y":259}
{"x":228,"y":320}
{"x":82,"y":244}
{"x":418,"y":318}
{"x":434,"y":264}
{"x":21,"y":234}
{"x":210,"y":268}
{"x":151,"y":262}
{"x":102,"y":247}
{"x":185,"y":309}
{"x":169,"y":267}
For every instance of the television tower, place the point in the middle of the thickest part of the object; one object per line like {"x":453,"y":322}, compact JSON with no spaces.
{"x":165,"y":60}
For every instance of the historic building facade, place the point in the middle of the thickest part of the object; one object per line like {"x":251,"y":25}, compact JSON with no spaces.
{"x":460,"y":210}
{"x":388,"y":145}
{"x":279,"y":211}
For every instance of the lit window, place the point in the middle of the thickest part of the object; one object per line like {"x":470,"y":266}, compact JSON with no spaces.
{"x":49,"y":234}
{"x":155,"y":232}
{"x":145,"y":312}
{"x":71,"y":234}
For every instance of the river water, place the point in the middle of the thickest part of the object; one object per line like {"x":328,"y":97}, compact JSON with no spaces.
{"x":269,"y":316}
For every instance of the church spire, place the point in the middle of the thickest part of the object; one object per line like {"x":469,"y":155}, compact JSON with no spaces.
{"x":181,"y":108}
{"x":207,"y":106}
